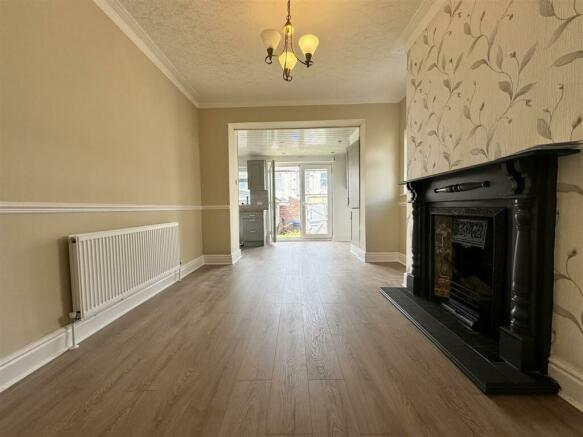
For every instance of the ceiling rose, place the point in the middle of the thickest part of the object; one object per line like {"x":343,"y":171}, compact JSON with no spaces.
{"x":287,"y":58}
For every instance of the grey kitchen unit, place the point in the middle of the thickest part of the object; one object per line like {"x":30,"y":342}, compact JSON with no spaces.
{"x":252,"y":228}
{"x":256,"y":174}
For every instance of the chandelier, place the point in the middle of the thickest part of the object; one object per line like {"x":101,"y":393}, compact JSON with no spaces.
{"x":288,"y":59}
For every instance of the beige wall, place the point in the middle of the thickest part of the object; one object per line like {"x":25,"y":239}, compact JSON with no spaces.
{"x":492,"y":77}
{"x":402,"y":190}
{"x":85,"y":117}
{"x":380,"y":166}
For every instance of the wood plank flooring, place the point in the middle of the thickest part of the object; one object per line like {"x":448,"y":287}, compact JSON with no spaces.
{"x":292,"y":340}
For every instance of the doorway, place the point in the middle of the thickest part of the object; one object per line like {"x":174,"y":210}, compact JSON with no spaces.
{"x":303,"y":201}
{"x":318,"y":159}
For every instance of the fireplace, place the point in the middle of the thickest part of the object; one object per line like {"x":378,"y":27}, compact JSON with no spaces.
{"x":481,"y":281}
{"x":464,"y":271}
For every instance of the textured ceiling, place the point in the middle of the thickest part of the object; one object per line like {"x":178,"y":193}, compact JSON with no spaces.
{"x":216,"y":48}
{"x":294,"y":142}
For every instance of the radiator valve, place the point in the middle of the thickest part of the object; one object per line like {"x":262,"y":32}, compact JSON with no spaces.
{"x":74,"y":316}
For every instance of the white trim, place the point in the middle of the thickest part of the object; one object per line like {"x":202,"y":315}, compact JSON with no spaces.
{"x":354,"y":137}
{"x":357,"y":252}
{"x":402,"y":259}
{"x":220,"y":260}
{"x":191,"y":266}
{"x":236,"y":256}
{"x":570,"y":380}
{"x":420,"y":20}
{"x":131,"y":28}
{"x":341,"y":238}
{"x":310,"y":124}
{"x":378,"y":257}
{"x":59,"y":207}
{"x":23,"y":362}
{"x":318,"y":102}
{"x":383,"y":257}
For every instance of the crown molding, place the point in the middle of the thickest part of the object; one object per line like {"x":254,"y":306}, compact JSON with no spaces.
{"x":319,"y":102}
{"x":130,"y":27}
{"x":420,"y":20}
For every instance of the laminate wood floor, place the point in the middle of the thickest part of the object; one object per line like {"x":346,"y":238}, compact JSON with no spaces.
{"x":292,"y":340}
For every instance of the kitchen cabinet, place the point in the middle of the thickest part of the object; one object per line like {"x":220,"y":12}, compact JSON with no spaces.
{"x":256,"y":173}
{"x":252,"y":228}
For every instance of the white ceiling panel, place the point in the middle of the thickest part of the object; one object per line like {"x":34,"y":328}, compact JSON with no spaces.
{"x":294,"y":142}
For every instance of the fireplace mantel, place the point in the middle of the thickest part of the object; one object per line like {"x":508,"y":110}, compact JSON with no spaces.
{"x":520,"y":191}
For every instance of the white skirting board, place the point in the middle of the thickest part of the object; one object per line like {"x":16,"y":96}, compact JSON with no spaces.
{"x":357,"y":252}
{"x":384,"y":257}
{"x":570,"y":380}
{"x":378,"y":257}
{"x":23,"y":362}
{"x":222,"y":259}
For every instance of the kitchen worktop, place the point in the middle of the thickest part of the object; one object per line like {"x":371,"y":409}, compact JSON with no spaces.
{"x":250,"y":208}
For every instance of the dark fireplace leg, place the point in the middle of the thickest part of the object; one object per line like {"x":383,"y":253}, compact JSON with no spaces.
{"x":414,"y":276}
{"x":516,"y":342}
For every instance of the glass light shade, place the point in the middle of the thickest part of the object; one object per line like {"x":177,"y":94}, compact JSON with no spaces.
{"x":309,"y":43}
{"x":288,"y":29}
{"x":271,"y":38}
{"x":288,"y":60}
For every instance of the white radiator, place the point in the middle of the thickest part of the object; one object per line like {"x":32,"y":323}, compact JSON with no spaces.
{"x":109,"y":266}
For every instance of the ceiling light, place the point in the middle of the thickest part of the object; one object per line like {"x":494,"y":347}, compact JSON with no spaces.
{"x":288,"y":59}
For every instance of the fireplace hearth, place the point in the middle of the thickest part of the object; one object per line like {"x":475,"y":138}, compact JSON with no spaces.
{"x":481,"y":281}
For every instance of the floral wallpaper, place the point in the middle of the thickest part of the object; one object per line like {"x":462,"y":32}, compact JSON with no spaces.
{"x":488,"y":78}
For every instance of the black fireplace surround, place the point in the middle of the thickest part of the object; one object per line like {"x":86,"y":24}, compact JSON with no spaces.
{"x":481,"y":280}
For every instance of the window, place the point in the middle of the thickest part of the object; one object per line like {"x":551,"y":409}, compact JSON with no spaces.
{"x":244,"y":193}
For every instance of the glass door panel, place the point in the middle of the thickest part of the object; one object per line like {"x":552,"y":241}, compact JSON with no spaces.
{"x":288,"y":203}
{"x":317,"y":211}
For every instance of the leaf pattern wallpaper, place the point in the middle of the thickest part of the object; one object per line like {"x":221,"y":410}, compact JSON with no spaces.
{"x":488,"y":78}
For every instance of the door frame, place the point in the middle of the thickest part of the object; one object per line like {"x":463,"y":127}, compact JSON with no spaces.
{"x":302,"y":165}
{"x":300,"y":176}
{"x":233,"y":176}
{"x":330,"y":169}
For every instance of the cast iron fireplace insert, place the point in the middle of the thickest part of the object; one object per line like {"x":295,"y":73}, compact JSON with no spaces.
{"x":467,"y":280}
{"x":481,"y":281}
